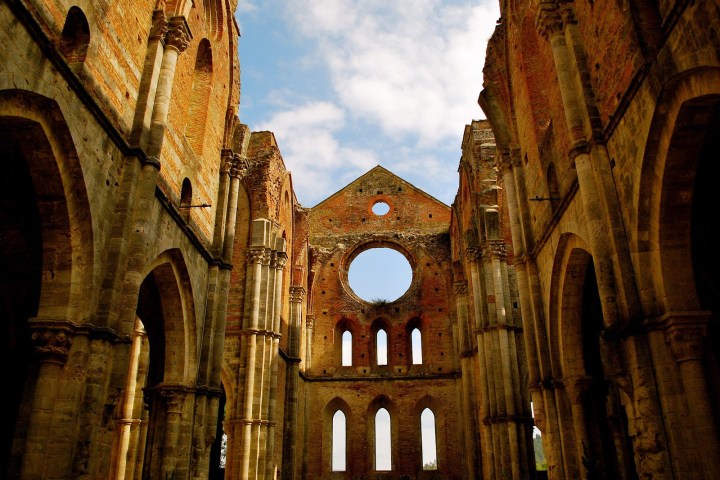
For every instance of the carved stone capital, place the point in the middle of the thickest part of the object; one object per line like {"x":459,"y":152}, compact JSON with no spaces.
{"x":297,"y":294}
{"x":309,"y":321}
{"x":548,"y":20}
{"x":52,"y":345}
{"x":504,"y":162}
{"x":460,"y":288}
{"x":280,"y":260}
{"x":473,"y":254}
{"x":178,"y":34}
{"x":497,"y":250}
{"x":159,"y":26}
{"x":685,"y":335}
{"x":255,"y":257}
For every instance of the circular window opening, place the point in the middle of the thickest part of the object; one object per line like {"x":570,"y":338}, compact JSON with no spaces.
{"x":380,"y":208}
{"x":380,"y":275}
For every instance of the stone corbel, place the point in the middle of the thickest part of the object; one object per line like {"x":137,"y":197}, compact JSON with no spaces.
{"x":52,"y":345}
{"x":685,"y":334}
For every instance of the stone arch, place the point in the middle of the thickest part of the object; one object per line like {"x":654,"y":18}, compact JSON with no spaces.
{"x":380,"y":402}
{"x":582,"y":360}
{"x":436,"y":407}
{"x":413,"y":324}
{"x":378,"y":324}
{"x":345,"y":325}
{"x":677,"y":218}
{"x":333,"y":406}
{"x":167,"y":291}
{"x":46,"y":251}
{"x":75,"y":36}
{"x":683,"y":119}
{"x":37,"y":128}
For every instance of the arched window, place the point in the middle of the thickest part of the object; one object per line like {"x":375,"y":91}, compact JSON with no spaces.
{"x":200,"y":97}
{"x":339,"y":441}
{"x":75,"y":37}
{"x":383,"y":441}
{"x":382,"y":347}
{"x":416,"y":346}
{"x":553,"y":188}
{"x":429,"y":444}
{"x":186,"y":199}
{"x":346,"y":348}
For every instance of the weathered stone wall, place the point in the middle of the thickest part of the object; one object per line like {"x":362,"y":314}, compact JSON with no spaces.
{"x":612,"y":95}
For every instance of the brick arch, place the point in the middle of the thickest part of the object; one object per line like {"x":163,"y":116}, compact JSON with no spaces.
{"x":437,"y":408}
{"x":337,"y":403}
{"x":379,"y":402}
{"x":342,"y":325}
{"x":667,"y":180}
{"x":378,"y":324}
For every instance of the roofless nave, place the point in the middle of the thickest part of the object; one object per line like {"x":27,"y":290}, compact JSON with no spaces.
{"x":579,"y":277}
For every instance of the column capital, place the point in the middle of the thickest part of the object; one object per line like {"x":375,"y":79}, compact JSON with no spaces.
{"x":460,"y":288}
{"x":52,"y":345}
{"x":178,"y":34}
{"x":297,"y":293}
{"x":256,"y":256}
{"x":685,"y":334}
{"x":309,"y":321}
{"x":548,"y":19}
{"x":159,"y":26}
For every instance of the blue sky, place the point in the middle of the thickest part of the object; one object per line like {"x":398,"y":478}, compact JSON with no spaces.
{"x":347,"y":85}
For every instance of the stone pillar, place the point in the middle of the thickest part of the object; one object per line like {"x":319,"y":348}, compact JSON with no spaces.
{"x":250,"y":339}
{"x":127,"y":420}
{"x":577,"y":388}
{"x":173,"y":400}
{"x":52,"y":347}
{"x":281,"y":260}
{"x":177,"y":39}
{"x":685,"y":334}
{"x":467,"y":401}
{"x":290,"y":466}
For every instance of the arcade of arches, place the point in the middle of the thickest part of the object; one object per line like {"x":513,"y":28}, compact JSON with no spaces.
{"x":170,"y":310}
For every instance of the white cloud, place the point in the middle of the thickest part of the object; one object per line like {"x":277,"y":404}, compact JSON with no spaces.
{"x":416,"y":71}
{"x":313,"y":153}
{"x":403,"y":82}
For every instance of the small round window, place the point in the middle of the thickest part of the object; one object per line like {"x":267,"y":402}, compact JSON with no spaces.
{"x":380,"y":275}
{"x":380,"y":208}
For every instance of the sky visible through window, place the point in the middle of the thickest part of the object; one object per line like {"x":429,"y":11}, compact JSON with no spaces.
{"x":380,"y":274}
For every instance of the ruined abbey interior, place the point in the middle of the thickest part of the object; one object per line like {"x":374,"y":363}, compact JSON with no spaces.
{"x":569,"y":286}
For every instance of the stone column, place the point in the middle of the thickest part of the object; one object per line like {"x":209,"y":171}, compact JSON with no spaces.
{"x":274,"y":360}
{"x":577,"y":388}
{"x":173,"y":400}
{"x":467,"y":401}
{"x":52,"y":347}
{"x":685,"y":334}
{"x":289,"y":466}
{"x":127,"y":420}
{"x":250,"y":339}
